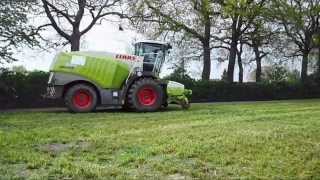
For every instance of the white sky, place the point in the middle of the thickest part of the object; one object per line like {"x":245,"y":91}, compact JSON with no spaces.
{"x":107,"y":37}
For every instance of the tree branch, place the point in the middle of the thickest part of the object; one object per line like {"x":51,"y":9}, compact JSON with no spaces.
{"x":53,"y":22}
{"x":176,"y":23}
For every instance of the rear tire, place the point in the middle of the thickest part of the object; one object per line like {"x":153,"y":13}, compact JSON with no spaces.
{"x":145,"y":95}
{"x":81,"y":98}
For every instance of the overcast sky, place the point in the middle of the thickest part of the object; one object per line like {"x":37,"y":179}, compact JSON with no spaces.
{"x":107,"y":37}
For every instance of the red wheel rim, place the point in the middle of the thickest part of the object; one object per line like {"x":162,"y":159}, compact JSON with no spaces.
{"x":147,"y":96}
{"x":82,"y":99}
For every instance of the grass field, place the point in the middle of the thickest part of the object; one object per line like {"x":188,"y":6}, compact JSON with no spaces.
{"x":265,"y":140}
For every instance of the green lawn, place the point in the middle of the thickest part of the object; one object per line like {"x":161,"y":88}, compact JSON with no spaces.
{"x":278,"y":140}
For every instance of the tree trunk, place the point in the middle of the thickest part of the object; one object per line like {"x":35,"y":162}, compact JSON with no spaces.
{"x":319,"y":60}
{"x":258,"y":70}
{"x":304,"y":67}
{"x":75,"y":38}
{"x":232,"y":60}
{"x":75,"y":43}
{"x":206,"y":62}
{"x":233,"y":51}
{"x":183,"y":66}
{"x":240,"y":65}
{"x":206,"y":51}
{"x":240,"y":68}
{"x":258,"y":63}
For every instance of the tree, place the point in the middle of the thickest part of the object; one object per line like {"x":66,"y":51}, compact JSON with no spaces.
{"x":256,"y":43}
{"x":300,"y":20}
{"x":179,"y":74}
{"x":239,"y":15}
{"x":319,"y":59}
{"x":240,"y":64}
{"x":317,"y":44}
{"x":276,"y":73}
{"x":19,"y":69}
{"x":259,"y":37}
{"x":224,"y":76}
{"x":15,"y":32}
{"x":194,"y":18}
{"x":67,"y":16}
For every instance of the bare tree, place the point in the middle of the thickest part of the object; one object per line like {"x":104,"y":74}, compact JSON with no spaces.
{"x":67,"y":16}
{"x":262,"y":38}
{"x":194,"y":18}
{"x":239,"y":15}
{"x":300,"y":20}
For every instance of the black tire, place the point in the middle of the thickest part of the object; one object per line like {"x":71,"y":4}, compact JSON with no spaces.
{"x":81,"y":98}
{"x":138,"y":103}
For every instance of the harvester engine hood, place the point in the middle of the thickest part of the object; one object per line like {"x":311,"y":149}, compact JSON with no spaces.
{"x":108,"y":70}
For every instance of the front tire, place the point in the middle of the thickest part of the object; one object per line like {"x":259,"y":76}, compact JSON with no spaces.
{"x":81,"y":98}
{"x":145,"y":95}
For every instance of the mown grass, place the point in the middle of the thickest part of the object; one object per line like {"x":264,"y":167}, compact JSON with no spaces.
{"x":265,"y":140}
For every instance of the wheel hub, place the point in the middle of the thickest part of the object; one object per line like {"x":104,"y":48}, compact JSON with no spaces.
{"x":82,"y":99}
{"x":147,"y":96}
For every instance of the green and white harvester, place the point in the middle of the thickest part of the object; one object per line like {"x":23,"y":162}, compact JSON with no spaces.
{"x":86,"y":80}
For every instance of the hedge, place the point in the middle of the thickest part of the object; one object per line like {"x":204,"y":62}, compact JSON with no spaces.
{"x":31,"y":87}
{"x":222,"y":91}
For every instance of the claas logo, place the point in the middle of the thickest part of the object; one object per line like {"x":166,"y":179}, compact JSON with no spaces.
{"x":126,"y":57}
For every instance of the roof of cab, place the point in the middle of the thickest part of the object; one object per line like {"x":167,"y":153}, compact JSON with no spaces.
{"x":152,"y":42}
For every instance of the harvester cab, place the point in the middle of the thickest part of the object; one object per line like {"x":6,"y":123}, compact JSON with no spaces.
{"x":154,"y":54}
{"x":86,"y":80}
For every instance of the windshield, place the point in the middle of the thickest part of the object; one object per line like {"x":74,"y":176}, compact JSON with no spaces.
{"x":154,"y":55}
{"x":150,"y":51}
